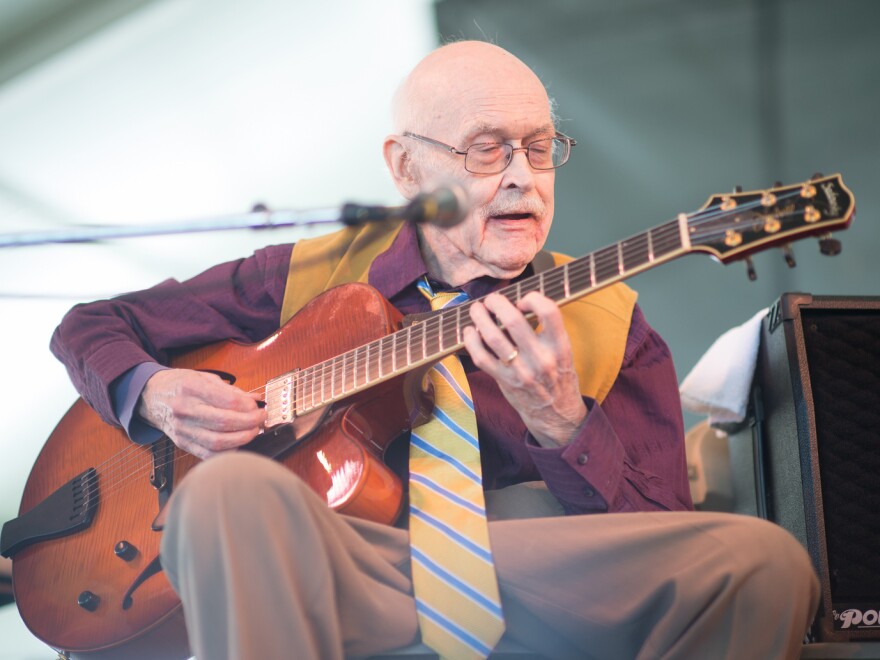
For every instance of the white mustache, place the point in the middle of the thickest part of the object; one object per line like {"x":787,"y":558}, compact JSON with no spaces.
{"x":515,"y":202}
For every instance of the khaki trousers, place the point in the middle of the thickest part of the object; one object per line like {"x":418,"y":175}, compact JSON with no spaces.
{"x":266,"y":570}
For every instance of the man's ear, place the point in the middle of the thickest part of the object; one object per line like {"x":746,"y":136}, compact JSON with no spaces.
{"x":401,"y":166}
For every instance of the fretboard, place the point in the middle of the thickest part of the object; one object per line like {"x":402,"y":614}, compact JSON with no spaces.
{"x":301,"y":391}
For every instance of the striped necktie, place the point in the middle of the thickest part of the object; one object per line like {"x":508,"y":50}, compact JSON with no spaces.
{"x":454,"y":579}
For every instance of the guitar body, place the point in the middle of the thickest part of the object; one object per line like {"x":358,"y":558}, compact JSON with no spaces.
{"x":336,"y":450}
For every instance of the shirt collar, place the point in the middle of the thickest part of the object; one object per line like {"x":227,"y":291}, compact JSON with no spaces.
{"x":399,"y":266}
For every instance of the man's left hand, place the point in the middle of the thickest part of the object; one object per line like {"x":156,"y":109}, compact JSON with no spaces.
{"x":535,"y":370}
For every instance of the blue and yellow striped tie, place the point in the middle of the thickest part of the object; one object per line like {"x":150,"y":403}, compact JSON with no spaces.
{"x":454,"y":579}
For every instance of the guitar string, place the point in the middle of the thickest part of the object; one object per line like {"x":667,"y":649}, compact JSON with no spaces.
{"x":610,"y":257}
{"x":607,"y":258}
{"x":433,"y":331}
{"x":363,"y":363}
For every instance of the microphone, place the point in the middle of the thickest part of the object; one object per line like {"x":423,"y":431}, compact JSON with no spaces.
{"x":445,"y":206}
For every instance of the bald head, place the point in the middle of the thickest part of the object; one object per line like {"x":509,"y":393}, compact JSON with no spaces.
{"x":465,"y":74}
{"x":464,"y":109}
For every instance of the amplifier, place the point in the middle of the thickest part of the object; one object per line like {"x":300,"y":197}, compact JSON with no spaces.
{"x":812,"y":455}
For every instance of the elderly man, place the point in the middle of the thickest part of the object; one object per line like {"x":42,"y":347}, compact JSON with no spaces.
{"x":582,"y":407}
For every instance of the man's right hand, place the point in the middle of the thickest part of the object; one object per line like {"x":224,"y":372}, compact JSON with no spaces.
{"x":200,"y":412}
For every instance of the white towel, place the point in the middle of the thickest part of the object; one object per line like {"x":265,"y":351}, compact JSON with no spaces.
{"x":719,"y":384}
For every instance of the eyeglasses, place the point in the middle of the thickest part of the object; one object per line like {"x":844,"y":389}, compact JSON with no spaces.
{"x":494,"y":157}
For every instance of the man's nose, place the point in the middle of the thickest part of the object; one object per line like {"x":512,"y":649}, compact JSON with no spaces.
{"x":519,"y":173}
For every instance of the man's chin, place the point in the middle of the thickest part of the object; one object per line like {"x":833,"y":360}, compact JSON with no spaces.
{"x":505,"y":266}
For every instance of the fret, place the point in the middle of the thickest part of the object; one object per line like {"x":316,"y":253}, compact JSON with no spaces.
{"x":292,"y":396}
{"x":299,"y":402}
{"x":375,"y":363}
{"x":458,"y":325}
{"x":394,"y":352}
{"x":527,"y":286}
{"x":432,"y":338}
{"x":424,"y":341}
{"x":620,"y":268}
{"x":650,"y":245}
{"x":401,"y":349}
{"x":365,"y":361}
{"x":354,"y":374}
{"x":409,"y":359}
{"x":379,"y":357}
{"x":580,"y":274}
{"x":684,"y":239}
{"x":323,"y":382}
{"x":549,"y":285}
{"x":388,"y":357}
{"x":302,"y":393}
{"x":450,"y":327}
{"x":592,"y":269}
{"x":313,"y":373}
{"x":333,"y":379}
{"x":635,"y":252}
{"x":518,"y":292}
{"x":565,"y":280}
{"x":606,"y":265}
{"x":344,"y":371}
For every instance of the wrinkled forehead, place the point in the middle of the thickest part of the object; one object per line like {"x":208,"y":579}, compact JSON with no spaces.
{"x":456,"y":95}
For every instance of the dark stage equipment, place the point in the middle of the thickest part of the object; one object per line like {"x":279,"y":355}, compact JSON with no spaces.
{"x":810,"y":458}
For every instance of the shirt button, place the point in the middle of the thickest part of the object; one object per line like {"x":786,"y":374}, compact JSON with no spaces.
{"x":589,"y":492}
{"x":582,"y":459}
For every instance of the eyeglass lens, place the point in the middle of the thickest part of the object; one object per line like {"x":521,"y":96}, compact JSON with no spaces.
{"x":493,"y":157}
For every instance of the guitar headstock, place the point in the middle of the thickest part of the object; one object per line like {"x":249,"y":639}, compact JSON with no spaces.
{"x":735,"y":225}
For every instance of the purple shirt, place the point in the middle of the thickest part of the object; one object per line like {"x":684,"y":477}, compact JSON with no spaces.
{"x":629,"y":455}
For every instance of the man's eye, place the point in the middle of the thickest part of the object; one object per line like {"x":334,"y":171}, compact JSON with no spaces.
{"x":485,"y":150}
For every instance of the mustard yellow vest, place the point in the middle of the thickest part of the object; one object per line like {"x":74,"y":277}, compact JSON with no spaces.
{"x":598,"y":324}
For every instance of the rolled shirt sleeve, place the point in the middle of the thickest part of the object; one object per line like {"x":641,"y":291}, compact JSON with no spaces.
{"x":102,"y":341}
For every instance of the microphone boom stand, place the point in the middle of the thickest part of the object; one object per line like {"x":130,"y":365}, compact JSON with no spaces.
{"x":260,"y":218}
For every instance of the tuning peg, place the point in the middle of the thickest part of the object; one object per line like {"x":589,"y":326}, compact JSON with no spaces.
{"x":750,"y":270}
{"x":829,"y":246}
{"x":789,"y":256}
{"x":777,"y":184}
{"x":816,"y":176}
{"x":737,"y":189}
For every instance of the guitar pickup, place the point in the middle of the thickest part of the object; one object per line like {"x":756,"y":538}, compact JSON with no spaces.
{"x":67,"y":510}
{"x":281,"y":399}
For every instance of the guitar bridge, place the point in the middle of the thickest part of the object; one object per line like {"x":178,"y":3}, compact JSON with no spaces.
{"x":67,"y":510}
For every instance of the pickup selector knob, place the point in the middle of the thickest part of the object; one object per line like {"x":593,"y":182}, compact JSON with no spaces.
{"x":125,"y":550}
{"x":88,"y":601}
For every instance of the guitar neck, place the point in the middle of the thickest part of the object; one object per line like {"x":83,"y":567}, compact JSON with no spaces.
{"x":728,"y":227}
{"x":299,"y":392}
